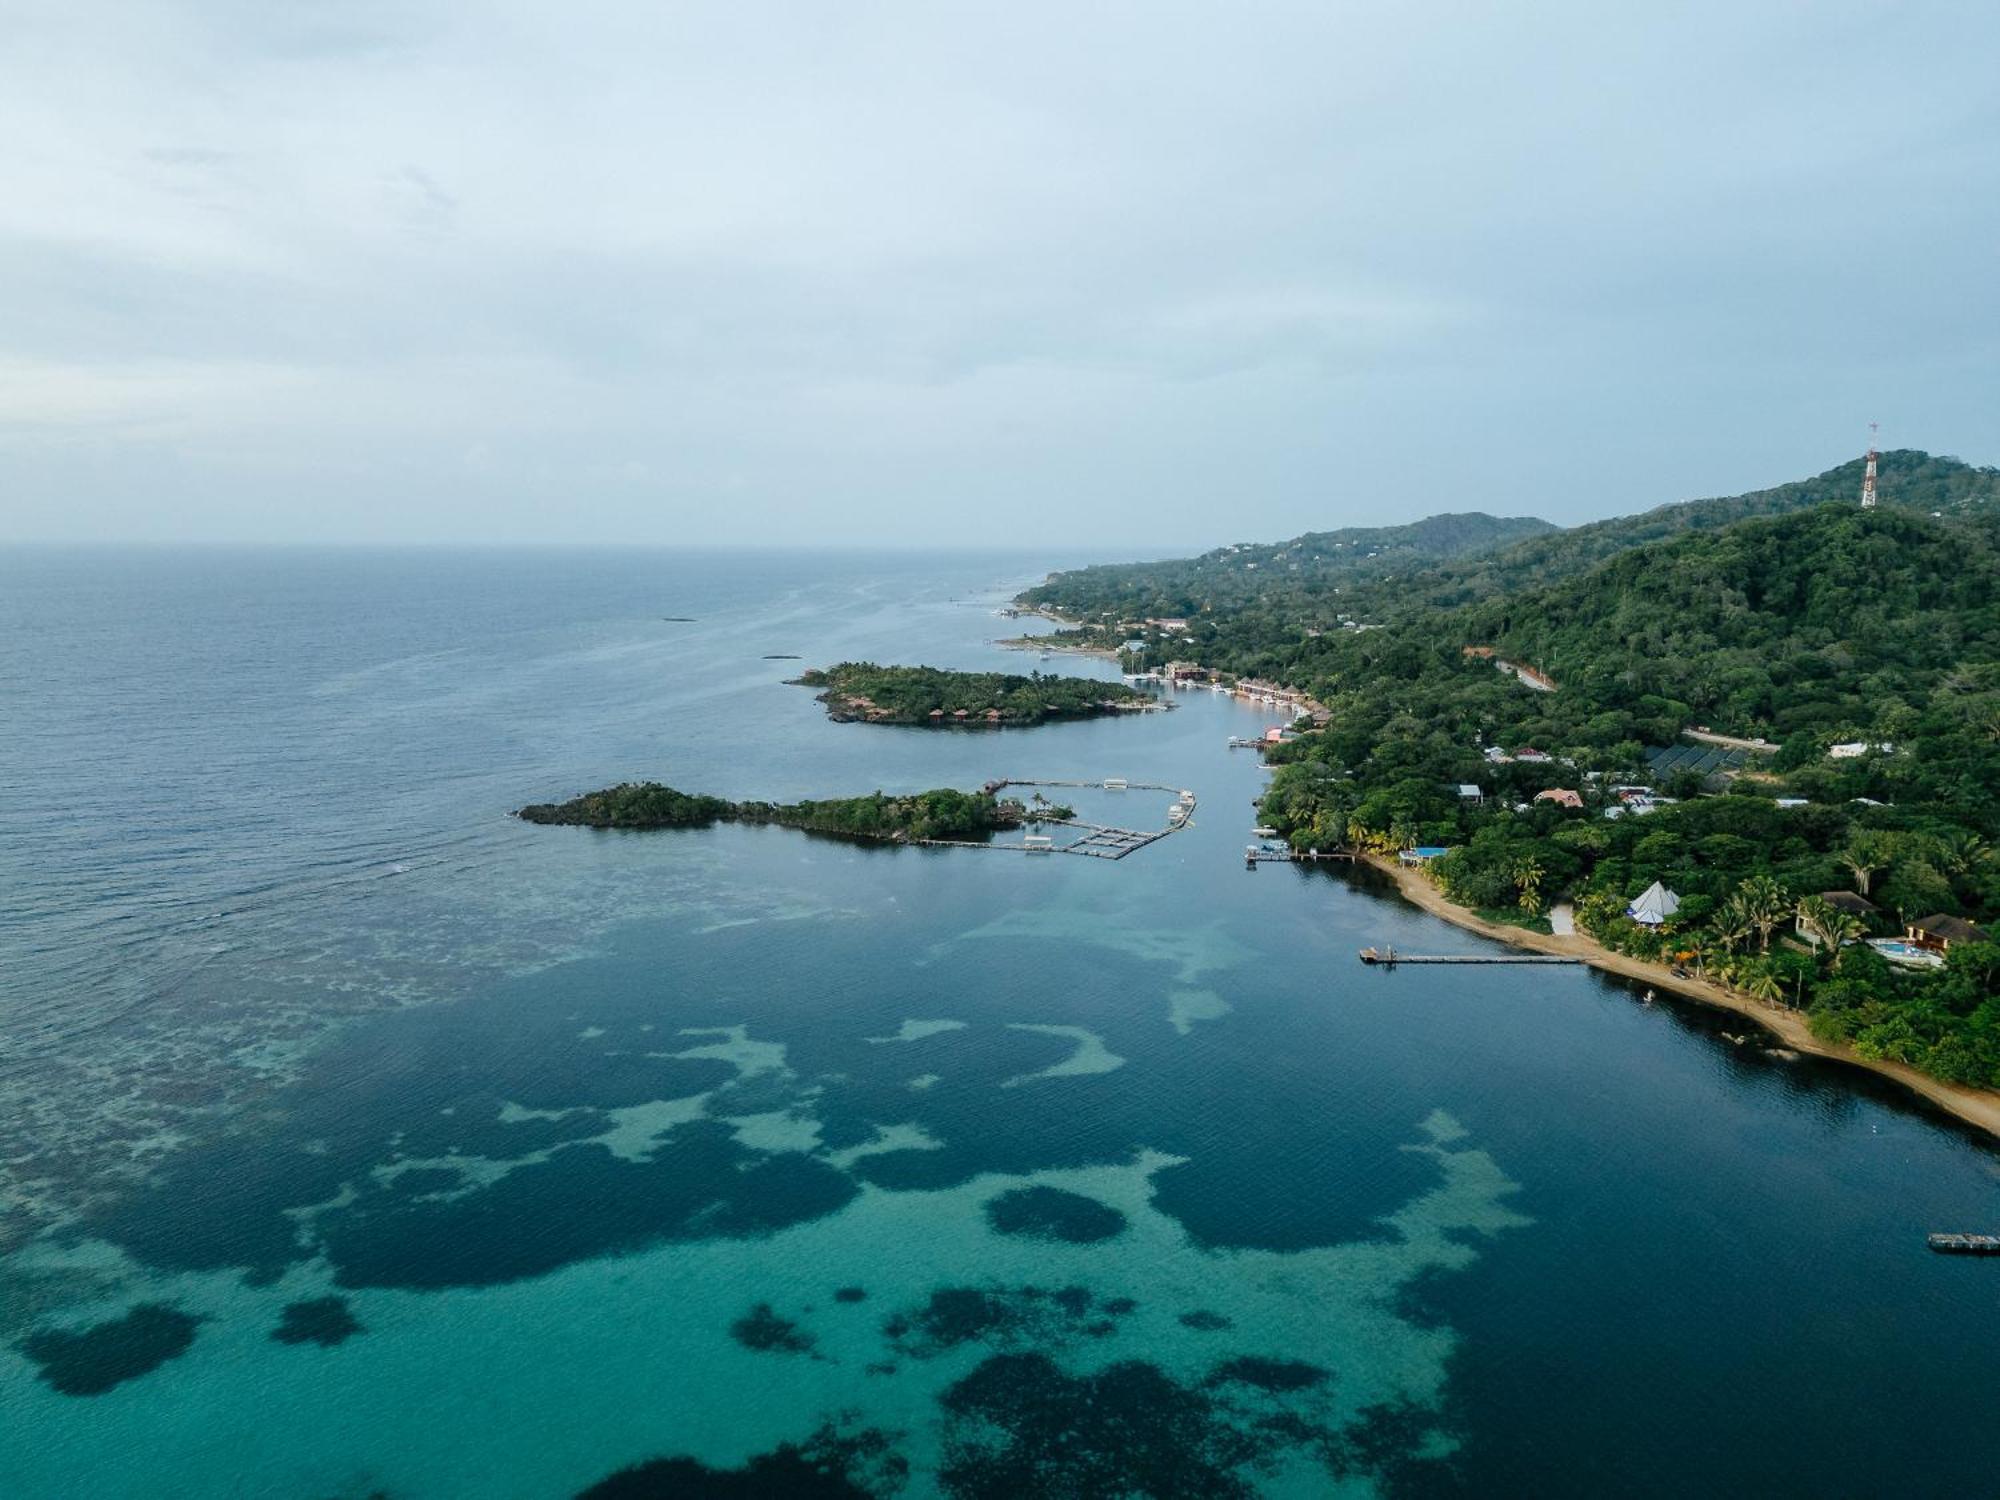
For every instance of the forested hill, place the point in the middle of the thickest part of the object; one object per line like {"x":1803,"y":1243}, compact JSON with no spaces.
{"x":1829,"y":619}
{"x":1907,"y":480}
{"x":1315,"y":566}
{"x":1269,"y":598}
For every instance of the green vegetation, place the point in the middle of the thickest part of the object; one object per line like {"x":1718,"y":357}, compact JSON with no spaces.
{"x":1306,"y":570}
{"x":939,"y":814}
{"x":1244,"y":620}
{"x":927,"y":696}
{"x":1789,"y":615}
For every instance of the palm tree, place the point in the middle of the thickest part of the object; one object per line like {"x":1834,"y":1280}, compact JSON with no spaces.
{"x":1863,"y":858}
{"x":1730,"y":927}
{"x":1961,"y":851}
{"x":1765,"y":904}
{"x":1763,"y":985}
{"x":1528,"y":882}
{"x":1831,"y":928}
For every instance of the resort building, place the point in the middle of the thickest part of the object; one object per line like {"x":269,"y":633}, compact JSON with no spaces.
{"x":1939,"y":932}
{"x":1654,"y":906}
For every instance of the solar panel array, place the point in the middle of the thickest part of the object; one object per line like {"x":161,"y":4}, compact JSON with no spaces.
{"x":1703,"y":760}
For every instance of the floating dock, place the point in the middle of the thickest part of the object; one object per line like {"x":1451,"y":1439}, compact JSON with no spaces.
{"x":1965,"y":1244}
{"x":1094,"y":840}
{"x":1389,"y":957}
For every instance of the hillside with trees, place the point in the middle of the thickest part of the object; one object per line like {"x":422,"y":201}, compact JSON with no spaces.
{"x":1789,"y":615}
{"x":1299,"y":574}
{"x":1241,"y":617}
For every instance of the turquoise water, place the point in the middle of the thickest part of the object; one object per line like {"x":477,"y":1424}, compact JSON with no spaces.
{"x":359,"y":1139}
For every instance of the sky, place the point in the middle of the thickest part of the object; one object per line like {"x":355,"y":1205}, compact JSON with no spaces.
{"x":1122,"y":276}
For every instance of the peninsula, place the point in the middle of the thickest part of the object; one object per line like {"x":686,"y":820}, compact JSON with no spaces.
{"x":928,"y":697}
{"x":942,"y":813}
{"x":1744,"y":747}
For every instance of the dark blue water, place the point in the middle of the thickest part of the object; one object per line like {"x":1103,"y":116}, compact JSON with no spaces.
{"x":357,"y":1138}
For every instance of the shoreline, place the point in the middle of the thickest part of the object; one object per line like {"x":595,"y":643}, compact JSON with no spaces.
{"x":1976,"y":1107}
{"x":1034,"y":643}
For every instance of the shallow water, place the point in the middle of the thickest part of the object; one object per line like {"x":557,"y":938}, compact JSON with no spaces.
{"x":360,"y":1139}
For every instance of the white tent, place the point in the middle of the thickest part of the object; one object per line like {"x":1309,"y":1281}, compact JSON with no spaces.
{"x":1654,"y":905}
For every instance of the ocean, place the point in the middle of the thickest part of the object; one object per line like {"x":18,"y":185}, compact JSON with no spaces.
{"x":357,"y":1139}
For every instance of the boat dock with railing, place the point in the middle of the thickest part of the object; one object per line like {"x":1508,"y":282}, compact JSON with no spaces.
{"x":1964,"y":1244}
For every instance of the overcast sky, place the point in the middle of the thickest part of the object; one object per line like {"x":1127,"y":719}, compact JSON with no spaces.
{"x":1114,"y":274}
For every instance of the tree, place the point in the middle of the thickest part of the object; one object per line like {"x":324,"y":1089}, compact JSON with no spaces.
{"x":1763,"y":985}
{"x":1915,"y":889}
{"x":1763,"y":905}
{"x":1959,"y":851}
{"x":1729,"y":928}
{"x":1830,"y":927}
{"x":1528,"y":882}
{"x":1863,"y":857}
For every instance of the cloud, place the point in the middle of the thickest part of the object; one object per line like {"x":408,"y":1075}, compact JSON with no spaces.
{"x":864,"y":270}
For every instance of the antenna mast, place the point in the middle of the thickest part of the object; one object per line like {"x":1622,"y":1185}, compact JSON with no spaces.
{"x":1868,"y":475}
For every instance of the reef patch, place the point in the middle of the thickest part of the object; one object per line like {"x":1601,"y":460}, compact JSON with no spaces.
{"x":1005,"y":1317}
{"x":1048,"y":1213}
{"x":765,"y":1331}
{"x":830,"y":1465}
{"x":108,"y":1354}
{"x":325,"y":1321}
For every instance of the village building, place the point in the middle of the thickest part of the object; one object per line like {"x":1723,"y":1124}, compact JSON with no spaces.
{"x":1561,"y":796}
{"x":1939,"y":932}
{"x":1655,"y":905}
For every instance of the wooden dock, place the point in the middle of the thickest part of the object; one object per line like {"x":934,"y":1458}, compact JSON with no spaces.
{"x":1389,"y":958}
{"x":1965,"y":1244}
{"x":1253,"y":856}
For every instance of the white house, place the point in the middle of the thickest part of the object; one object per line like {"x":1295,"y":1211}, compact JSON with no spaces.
{"x":1855,"y":749}
{"x":1654,"y":906}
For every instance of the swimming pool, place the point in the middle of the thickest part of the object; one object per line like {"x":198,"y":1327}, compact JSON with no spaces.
{"x":1899,"y":952}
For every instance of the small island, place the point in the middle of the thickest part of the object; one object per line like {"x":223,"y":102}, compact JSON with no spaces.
{"x":928,"y":697}
{"x":942,"y":813}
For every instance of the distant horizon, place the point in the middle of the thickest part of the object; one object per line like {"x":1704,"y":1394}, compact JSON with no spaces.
{"x":1126,"y":549}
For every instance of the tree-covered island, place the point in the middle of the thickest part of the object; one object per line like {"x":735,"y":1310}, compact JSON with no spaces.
{"x":943,"y":813}
{"x":929,"y":697}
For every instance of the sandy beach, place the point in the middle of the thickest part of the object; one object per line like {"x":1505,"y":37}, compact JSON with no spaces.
{"x":1978,"y":1107}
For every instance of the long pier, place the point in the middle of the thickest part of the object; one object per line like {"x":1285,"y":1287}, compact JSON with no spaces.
{"x":1389,"y":957}
{"x":1964,"y":1244}
{"x":1253,"y":856}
